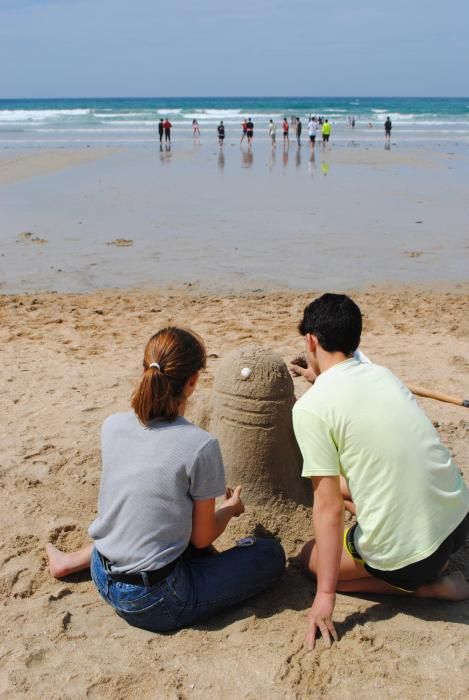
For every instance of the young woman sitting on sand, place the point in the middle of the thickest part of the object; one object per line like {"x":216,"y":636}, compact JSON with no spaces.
{"x":156,"y":512}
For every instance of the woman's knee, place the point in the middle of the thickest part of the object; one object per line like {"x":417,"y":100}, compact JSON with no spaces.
{"x":273,"y":554}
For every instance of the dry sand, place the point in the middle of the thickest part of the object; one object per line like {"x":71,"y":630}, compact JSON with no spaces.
{"x":68,"y":361}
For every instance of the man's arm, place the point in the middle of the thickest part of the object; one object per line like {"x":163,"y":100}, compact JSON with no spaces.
{"x":328,"y":521}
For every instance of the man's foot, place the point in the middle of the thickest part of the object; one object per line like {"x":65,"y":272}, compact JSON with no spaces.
{"x":451,"y":587}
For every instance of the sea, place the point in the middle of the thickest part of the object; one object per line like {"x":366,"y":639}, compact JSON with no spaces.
{"x":49,"y":123}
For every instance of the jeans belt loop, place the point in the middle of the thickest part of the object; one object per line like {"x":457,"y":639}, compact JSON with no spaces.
{"x":144,"y":576}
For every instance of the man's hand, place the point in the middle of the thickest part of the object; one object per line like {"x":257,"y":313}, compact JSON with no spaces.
{"x":300,"y":368}
{"x":320,"y":618}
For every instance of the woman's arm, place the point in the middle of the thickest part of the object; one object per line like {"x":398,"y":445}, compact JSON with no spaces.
{"x":208,"y":523}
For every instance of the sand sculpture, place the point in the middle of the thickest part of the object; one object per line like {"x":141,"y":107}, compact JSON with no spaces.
{"x":251,"y":408}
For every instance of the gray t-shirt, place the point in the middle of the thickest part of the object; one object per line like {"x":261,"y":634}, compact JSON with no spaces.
{"x":150,"y":478}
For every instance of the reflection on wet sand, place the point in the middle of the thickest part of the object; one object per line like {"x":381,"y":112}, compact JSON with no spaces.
{"x":247,"y":157}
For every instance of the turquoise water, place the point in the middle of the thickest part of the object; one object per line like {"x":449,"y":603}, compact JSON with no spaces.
{"x":52,"y":122}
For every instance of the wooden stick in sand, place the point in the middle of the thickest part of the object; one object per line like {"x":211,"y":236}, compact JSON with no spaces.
{"x":437,"y":395}
{"x":417,"y":390}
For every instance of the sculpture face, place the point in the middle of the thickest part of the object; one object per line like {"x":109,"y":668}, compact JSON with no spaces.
{"x":251,"y":416}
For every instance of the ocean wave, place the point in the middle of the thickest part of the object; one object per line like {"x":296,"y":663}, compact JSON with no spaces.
{"x":119,"y":115}
{"x":169,"y":111}
{"x":24,"y":115}
{"x":215,"y":115}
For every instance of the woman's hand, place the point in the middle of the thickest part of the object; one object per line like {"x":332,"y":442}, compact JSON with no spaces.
{"x":208,"y":523}
{"x":233,"y":500}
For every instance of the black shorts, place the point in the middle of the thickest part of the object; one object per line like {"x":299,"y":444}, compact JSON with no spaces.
{"x":388,"y":132}
{"x":411,"y":577}
{"x":249,"y":133}
{"x":312,"y":138}
{"x":325,"y":137}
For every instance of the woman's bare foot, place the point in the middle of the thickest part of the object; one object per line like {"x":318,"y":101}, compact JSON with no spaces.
{"x":65,"y":563}
{"x":57,"y":561}
{"x":451,"y":587}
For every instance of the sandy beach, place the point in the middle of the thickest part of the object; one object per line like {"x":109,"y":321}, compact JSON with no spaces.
{"x":100,"y":247}
{"x":69,"y":360}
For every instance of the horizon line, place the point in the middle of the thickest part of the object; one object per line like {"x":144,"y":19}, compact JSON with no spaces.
{"x":238,"y":97}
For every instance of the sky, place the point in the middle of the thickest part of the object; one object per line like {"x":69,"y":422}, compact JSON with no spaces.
{"x":105,"y":48}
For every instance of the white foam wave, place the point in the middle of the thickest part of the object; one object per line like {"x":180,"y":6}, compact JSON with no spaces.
{"x":169,"y":111}
{"x":214,"y":115}
{"x":25,"y":115}
{"x":119,"y":115}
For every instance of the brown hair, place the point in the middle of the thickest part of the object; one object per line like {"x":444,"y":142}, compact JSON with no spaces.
{"x":178,"y":353}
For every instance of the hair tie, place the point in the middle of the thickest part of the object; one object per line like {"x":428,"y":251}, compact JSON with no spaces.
{"x":155,"y":364}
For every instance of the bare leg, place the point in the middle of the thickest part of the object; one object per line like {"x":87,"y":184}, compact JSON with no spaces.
{"x":347,"y":496}
{"x":451,"y":587}
{"x":354,"y":578}
{"x":64,"y":563}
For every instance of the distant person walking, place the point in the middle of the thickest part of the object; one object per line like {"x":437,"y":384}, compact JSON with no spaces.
{"x":167,"y":130}
{"x":244,"y":127}
{"x":249,"y":130}
{"x":221,"y":134}
{"x":273,"y":133}
{"x":160,"y":130}
{"x":299,"y":127}
{"x":387,"y":129}
{"x":285,"y":129}
{"x":326,"y":132}
{"x":195,"y":128}
{"x":312,"y":131}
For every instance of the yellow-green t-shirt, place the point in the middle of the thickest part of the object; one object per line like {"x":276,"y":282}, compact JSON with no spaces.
{"x":360,"y":421}
{"x":326,"y":129}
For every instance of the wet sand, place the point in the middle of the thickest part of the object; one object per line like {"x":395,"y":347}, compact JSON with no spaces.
{"x":232,"y":220}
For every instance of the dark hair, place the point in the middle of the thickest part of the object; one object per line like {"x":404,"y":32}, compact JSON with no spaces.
{"x":335,"y":320}
{"x":178,"y":353}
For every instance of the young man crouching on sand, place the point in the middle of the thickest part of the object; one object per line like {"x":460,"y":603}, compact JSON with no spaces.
{"x":359,"y":422}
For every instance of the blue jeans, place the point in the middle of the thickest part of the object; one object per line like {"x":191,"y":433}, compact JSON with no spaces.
{"x":196,"y":589}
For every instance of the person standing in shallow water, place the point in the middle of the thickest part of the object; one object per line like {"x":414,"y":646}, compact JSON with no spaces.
{"x":299,"y":127}
{"x":244,"y":128}
{"x":272,"y":133}
{"x":326,"y":132}
{"x":285,"y":129}
{"x":249,"y":130}
{"x":221,"y":134}
{"x":167,"y":131}
{"x":387,"y":129}
{"x":156,"y":511}
{"x":160,"y":130}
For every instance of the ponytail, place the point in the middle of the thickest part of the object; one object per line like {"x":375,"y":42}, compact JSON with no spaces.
{"x":171,"y":357}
